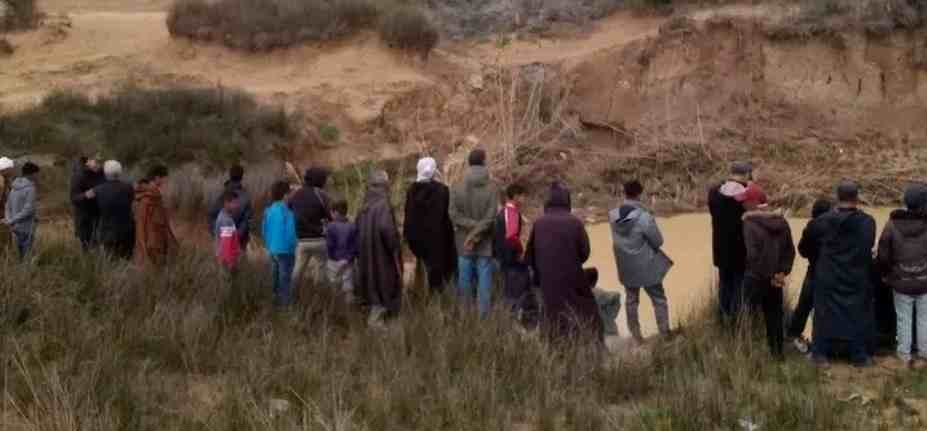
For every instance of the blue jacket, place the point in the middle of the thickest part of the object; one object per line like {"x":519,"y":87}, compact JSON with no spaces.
{"x":279,"y":229}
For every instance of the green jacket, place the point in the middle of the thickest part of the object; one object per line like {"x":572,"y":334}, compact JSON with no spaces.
{"x":474,"y":203}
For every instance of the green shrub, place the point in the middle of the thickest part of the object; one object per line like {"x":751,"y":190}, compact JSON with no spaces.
{"x":212,"y":126}
{"x":329,"y":133}
{"x":19,"y":14}
{"x":408,"y":28}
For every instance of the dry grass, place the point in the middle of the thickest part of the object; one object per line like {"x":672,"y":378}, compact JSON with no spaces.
{"x":18,"y":14}
{"x":94,"y":344}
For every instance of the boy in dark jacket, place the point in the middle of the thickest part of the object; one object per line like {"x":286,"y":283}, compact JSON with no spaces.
{"x":341,"y":240}
{"x":808,"y":249}
{"x":243,"y":218}
{"x":510,"y":251}
{"x":902,"y":261}
{"x":727,"y":238}
{"x":769,"y":258}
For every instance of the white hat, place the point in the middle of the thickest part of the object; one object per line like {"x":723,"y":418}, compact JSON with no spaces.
{"x":6,"y":163}
{"x":427,"y":168}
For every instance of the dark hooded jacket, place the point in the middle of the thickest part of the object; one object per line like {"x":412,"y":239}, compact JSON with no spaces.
{"x":244,"y":218}
{"x":902,"y":257}
{"x":310,"y":205}
{"x":843,"y":294}
{"x":427,"y":227}
{"x":85,"y":211}
{"x":116,"y":227}
{"x":768,"y":241}
{"x":727,"y":233}
{"x":557,"y":248}
{"x":379,"y":256}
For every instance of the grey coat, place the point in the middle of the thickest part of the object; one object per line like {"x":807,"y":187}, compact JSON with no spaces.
{"x":21,"y":206}
{"x":473,"y":207}
{"x":636,"y":241}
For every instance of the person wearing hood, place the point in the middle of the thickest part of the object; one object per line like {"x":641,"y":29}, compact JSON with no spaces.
{"x":7,"y":172}
{"x":727,"y":239}
{"x":115,"y":230}
{"x":244,"y":218}
{"x":312,"y":207}
{"x":808,"y":250}
{"x":557,"y":249}
{"x":842,"y":279}
{"x":20,"y":209}
{"x":154,"y":239}
{"x":427,"y":228}
{"x":86,"y":176}
{"x":641,"y":262}
{"x":379,"y":260}
{"x":473,"y":207}
{"x":769,"y":259}
{"x":902,"y":262}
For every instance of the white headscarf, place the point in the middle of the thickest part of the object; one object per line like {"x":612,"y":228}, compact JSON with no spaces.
{"x":427,"y":169}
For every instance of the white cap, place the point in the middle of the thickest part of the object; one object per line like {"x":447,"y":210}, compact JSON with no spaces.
{"x":112,"y":169}
{"x":6,"y":163}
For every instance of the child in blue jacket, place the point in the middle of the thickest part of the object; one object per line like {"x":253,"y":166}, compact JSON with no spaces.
{"x":279,"y":230}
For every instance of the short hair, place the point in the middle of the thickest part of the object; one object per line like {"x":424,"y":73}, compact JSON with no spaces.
{"x":633,"y":189}
{"x":477,"y":157}
{"x":378,"y":177}
{"x":112,"y":169}
{"x":30,"y":168}
{"x":821,"y":207}
{"x":279,"y":190}
{"x":236,"y":173}
{"x":156,"y":171}
{"x":847,"y":191}
{"x":229,"y":195}
{"x":341,"y":206}
{"x":515,"y":189}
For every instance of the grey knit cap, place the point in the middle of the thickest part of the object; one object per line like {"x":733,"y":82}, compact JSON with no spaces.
{"x":741,"y":168}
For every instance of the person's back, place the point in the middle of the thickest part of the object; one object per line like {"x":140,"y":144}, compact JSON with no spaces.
{"x":227,"y":235}
{"x":85,"y":177}
{"x":379,"y":263}
{"x":310,"y":205}
{"x":154,"y":237}
{"x":245,"y":214}
{"x":116,"y":226}
{"x":808,"y":248}
{"x":341,"y":240}
{"x":770,"y":249}
{"x":427,"y":226}
{"x":727,"y":239}
{"x":279,"y":233}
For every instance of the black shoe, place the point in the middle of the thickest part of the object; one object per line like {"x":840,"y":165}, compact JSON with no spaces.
{"x":820,"y":361}
{"x":867,"y":363}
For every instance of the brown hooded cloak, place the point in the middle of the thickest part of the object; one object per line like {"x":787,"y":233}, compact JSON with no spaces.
{"x":154,"y":239}
{"x":378,"y":251}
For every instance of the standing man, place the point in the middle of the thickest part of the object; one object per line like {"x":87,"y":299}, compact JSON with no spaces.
{"x":379,"y":260}
{"x":770,"y":256}
{"x":311,"y":205}
{"x":243,"y":218}
{"x":20,"y":209}
{"x":641,"y":262}
{"x":557,"y":249}
{"x":6,"y":180}
{"x":86,"y":176}
{"x":154,"y":238}
{"x":115,"y":230}
{"x":808,"y":250}
{"x":427,"y":227}
{"x":473,"y":207}
{"x":727,"y":239}
{"x":842,"y":283}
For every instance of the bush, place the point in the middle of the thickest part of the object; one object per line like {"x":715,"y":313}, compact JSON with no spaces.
{"x":212,"y":126}
{"x":6,"y":48}
{"x":18,"y":14}
{"x":408,"y":28}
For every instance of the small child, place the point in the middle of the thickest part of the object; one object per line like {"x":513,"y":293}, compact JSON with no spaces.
{"x":341,"y":239}
{"x":228,"y":246}
{"x":279,"y":230}
{"x":510,"y":252}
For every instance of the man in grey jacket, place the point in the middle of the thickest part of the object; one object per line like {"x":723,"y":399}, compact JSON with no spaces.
{"x":20,"y":209}
{"x":473,"y":207}
{"x":641,"y":262}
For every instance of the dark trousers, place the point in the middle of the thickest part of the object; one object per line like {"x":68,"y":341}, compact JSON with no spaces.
{"x":730,"y":293}
{"x":803,"y":310}
{"x":518,"y":294}
{"x":824,"y":348}
{"x":768,"y":299}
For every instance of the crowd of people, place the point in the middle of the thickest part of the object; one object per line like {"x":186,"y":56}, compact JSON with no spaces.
{"x":470,"y":237}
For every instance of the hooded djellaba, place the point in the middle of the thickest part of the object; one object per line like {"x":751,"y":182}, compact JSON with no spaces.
{"x":557,"y":248}
{"x":427,"y":227}
{"x":379,"y":256}
{"x":154,"y":239}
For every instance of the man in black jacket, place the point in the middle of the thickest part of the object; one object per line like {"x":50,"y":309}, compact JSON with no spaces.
{"x":115,"y":229}
{"x":244,"y":217}
{"x":727,"y":238}
{"x":310,"y":205}
{"x":86,"y":176}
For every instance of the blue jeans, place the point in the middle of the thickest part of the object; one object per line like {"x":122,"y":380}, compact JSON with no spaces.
{"x":905,"y":308}
{"x":23,"y":242}
{"x":481,"y":268}
{"x":282,"y":268}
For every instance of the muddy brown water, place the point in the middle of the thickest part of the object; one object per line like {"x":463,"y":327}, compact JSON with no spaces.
{"x":691,"y":282}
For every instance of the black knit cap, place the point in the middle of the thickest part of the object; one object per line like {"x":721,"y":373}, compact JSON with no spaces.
{"x":477,"y":157}
{"x":30,"y":168}
{"x":847,"y":191}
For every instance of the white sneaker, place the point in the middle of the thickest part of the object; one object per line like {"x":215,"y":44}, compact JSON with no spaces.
{"x":800,"y":344}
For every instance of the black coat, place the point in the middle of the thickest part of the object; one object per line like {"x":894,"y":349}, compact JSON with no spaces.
{"x":727,"y":230}
{"x":427,"y":227}
{"x":843,"y":291}
{"x":311,"y":206}
{"x":115,"y":228}
{"x":85,"y":212}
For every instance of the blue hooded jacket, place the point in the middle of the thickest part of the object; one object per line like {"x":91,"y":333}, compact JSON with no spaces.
{"x":279,"y":229}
